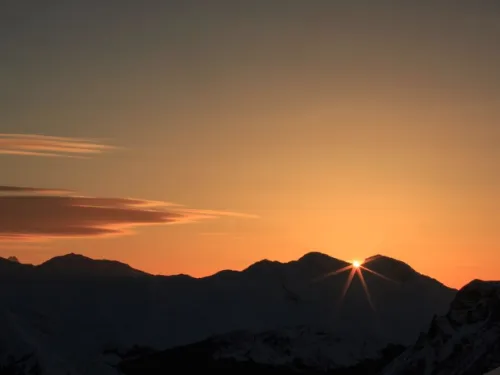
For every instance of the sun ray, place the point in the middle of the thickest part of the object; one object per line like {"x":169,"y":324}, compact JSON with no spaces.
{"x":365,"y":288}
{"x":371,"y":259}
{"x":378,"y":274}
{"x":333,"y":273}
{"x":347,"y":284}
{"x":355,"y":267}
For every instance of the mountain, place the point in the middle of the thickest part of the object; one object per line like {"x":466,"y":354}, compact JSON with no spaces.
{"x":75,"y":265}
{"x":10,"y":270}
{"x":71,"y":313}
{"x":464,"y":341}
{"x":70,"y":266}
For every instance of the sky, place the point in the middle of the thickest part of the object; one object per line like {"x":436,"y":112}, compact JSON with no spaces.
{"x":194,"y":136}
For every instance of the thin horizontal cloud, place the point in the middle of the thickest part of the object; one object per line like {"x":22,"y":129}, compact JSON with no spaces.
{"x":216,"y":213}
{"x":50,"y":146}
{"x":22,"y":189}
{"x":36,"y":217}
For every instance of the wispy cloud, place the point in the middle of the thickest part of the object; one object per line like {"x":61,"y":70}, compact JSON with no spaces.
{"x":215,"y":213}
{"x":34,"y":217}
{"x":50,"y":146}
{"x":22,"y":189}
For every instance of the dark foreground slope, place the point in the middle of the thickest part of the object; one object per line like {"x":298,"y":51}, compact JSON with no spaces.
{"x":465,"y":341}
{"x":208,"y":355}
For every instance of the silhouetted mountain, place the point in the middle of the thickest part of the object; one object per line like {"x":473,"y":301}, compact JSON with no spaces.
{"x":10,"y":270}
{"x":391,"y":268}
{"x":13,"y":259}
{"x":464,"y":341}
{"x":318,"y":263}
{"x":66,"y":312}
{"x":71,"y":266}
{"x":75,"y":265}
{"x":395,"y":269}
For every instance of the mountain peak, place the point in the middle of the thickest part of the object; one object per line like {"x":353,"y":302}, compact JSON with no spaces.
{"x":70,"y":257}
{"x":390,"y":267}
{"x":11,"y":268}
{"x":313,"y":260}
{"x":384,"y":258}
{"x":315,"y":263}
{"x":67,"y":260}
{"x":478,"y":284}
{"x":315,"y":256}
{"x":79,"y":265}
{"x":475,"y":293}
{"x":317,"y":259}
{"x":264,"y":264}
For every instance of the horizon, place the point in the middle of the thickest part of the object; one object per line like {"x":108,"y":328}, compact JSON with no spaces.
{"x":352,"y":264}
{"x":192,"y":138}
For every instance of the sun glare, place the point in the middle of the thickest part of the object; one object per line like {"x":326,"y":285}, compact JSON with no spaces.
{"x":356,"y":268}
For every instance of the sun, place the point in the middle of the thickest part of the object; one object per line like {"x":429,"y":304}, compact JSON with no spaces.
{"x":356,"y":268}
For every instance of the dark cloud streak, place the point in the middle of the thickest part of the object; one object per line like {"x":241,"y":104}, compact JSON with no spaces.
{"x":21,"y":189}
{"x":40,"y":217}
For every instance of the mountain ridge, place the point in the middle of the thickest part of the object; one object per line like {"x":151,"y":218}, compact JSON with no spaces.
{"x":313,"y":259}
{"x":121,"y":309}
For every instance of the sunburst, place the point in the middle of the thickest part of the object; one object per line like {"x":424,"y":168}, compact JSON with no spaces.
{"x":356,"y":267}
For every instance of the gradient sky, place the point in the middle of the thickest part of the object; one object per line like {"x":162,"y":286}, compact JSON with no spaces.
{"x":347,"y":127}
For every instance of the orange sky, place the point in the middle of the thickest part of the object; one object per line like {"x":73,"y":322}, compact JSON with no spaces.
{"x":347,"y":129}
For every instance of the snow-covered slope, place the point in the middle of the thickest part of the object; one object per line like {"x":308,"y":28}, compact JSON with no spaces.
{"x":69,"y":310}
{"x":287,"y":346}
{"x":465,"y":341}
{"x":283,"y":351}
